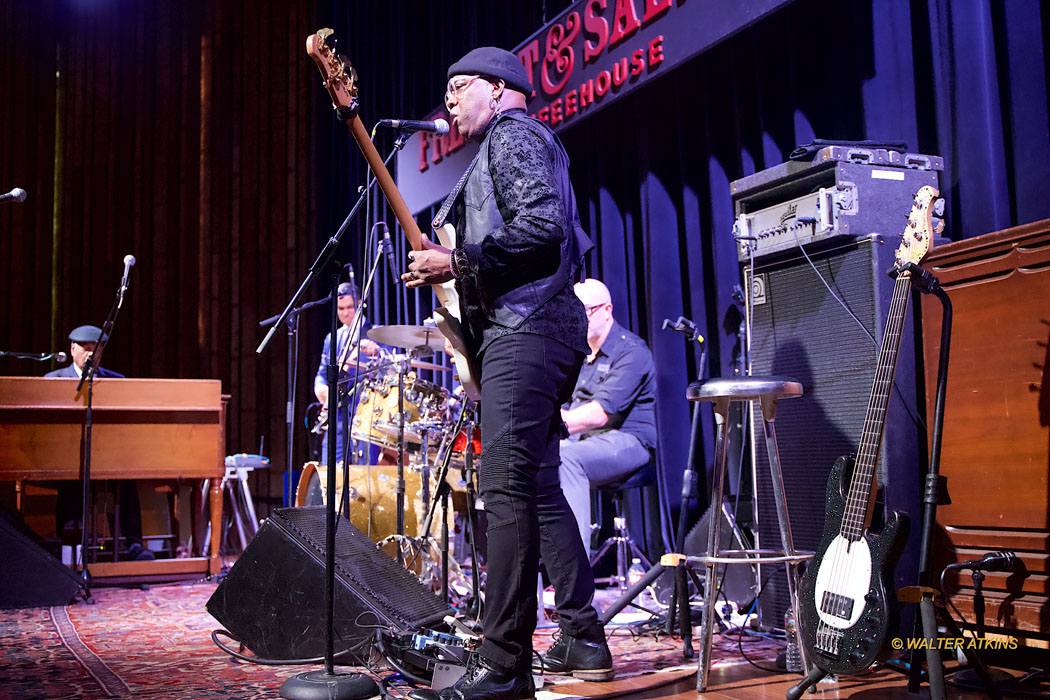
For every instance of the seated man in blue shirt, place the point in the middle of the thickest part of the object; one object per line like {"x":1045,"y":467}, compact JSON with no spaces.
{"x":359,"y":348}
{"x":611,"y":418}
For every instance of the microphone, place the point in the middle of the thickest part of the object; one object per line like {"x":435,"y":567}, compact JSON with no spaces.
{"x":992,"y":561}
{"x":61,"y":357}
{"x":19,"y":195}
{"x":684,"y":326}
{"x":438,"y":126}
{"x":129,"y":262}
{"x":388,"y":251}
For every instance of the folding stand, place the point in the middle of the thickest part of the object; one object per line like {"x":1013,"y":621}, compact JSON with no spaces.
{"x":936,"y":493}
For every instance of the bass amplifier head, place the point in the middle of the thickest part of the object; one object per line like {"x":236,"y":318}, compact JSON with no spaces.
{"x":273,"y":598}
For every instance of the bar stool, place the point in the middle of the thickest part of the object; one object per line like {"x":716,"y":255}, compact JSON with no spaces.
{"x":721,"y":392}
{"x":626,"y":549}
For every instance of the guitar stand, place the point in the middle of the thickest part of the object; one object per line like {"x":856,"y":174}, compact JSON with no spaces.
{"x":936,"y":493}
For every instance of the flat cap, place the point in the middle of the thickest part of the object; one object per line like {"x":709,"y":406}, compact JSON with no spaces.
{"x":494,"y":62}
{"x":85,"y":334}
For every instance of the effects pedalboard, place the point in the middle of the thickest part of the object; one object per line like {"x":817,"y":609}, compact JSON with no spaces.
{"x":439,"y":658}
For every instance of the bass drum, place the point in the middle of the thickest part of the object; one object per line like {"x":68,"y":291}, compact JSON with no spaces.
{"x":373,"y":496}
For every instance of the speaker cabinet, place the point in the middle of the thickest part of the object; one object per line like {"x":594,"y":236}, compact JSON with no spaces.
{"x":31,"y":577}
{"x":273,"y":598}
{"x":800,"y":331}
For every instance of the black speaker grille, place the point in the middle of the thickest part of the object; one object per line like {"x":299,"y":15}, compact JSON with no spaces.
{"x":272,"y":600}
{"x":373,"y":575}
{"x":803,"y":333}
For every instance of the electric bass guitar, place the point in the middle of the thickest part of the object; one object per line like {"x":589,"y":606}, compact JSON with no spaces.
{"x":845,"y":609}
{"x":340,"y":79}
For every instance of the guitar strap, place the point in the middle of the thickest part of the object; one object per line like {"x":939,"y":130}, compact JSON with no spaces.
{"x":446,"y":207}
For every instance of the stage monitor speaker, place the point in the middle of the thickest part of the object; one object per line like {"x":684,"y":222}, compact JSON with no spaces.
{"x":272,"y":600}
{"x":800,"y":331}
{"x":31,"y":577}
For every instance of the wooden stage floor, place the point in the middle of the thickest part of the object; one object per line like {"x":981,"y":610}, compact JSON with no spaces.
{"x":744,"y":682}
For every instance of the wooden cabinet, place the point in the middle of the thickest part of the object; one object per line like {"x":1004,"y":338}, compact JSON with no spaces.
{"x":141,"y":429}
{"x":996,"y":446}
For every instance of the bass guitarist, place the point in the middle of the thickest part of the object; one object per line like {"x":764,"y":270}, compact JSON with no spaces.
{"x":519,"y":250}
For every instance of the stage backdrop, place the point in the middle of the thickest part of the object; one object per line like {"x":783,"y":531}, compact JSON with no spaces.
{"x":197,"y":136}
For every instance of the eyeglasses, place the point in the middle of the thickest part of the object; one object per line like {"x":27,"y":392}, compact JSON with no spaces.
{"x":591,"y":309}
{"x":457,"y":86}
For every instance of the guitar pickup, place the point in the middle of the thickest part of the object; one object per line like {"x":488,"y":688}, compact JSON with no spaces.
{"x":835,"y":604}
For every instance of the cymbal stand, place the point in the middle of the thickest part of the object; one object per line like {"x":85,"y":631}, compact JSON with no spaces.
{"x":402,"y":369}
{"x":441,"y":495}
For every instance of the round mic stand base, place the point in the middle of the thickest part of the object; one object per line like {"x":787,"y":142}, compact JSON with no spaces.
{"x":321,"y":685}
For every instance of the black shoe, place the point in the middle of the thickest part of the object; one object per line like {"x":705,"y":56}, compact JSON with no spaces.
{"x":139,"y":553}
{"x":483,"y":681}
{"x":579,"y":657}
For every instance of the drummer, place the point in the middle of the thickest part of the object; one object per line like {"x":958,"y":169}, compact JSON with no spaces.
{"x":358,"y":352}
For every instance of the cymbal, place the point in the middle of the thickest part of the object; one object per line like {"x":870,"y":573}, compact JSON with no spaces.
{"x":409,"y":337}
{"x":420,"y":364}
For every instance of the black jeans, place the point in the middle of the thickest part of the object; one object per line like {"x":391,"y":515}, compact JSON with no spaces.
{"x":525,"y":378}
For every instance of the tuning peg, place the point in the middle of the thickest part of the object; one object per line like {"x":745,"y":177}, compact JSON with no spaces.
{"x":938,"y":225}
{"x":938,"y":206}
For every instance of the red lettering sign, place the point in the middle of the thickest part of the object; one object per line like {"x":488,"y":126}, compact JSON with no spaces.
{"x":656,"y":51}
{"x":559,"y":52}
{"x":594,"y":25}
{"x":655,"y":8}
{"x":602,"y":83}
{"x":424,"y":143}
{"x":586,"y":93}
{"x":570,"y":103}
{"x":637,"y":62}
{"x":529,"y":55}
{"x":625,"y":22}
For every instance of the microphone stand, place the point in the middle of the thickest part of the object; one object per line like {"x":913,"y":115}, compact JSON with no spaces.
{"x":293,"y":345}
{"x":680,"y":592}
{"x":87,"y":507}
{"x":327,"y":683}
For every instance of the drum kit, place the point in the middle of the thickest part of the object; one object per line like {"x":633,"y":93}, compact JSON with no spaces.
{"x":421,"y":431}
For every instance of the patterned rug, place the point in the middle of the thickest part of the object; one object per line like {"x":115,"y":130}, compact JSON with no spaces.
{"x":156,"y":644}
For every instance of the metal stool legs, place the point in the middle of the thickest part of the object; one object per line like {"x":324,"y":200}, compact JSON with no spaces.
{"x":626,"y":549}
{"x":768,"y":390}
{"x":707,"y":620}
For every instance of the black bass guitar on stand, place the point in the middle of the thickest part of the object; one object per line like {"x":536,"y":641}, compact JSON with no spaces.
{"x":846,"y":608}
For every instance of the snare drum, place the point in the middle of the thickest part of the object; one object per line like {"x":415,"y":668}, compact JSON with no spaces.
{"x":373,"y":510}
{"x":459,"y":446}
{"x":376,"y":420}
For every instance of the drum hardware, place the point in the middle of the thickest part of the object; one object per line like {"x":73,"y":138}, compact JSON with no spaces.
{"x":465,"y":422}
{"x":409,"y":337}
{"x":420,"y":364}
{"x":365,"y":371}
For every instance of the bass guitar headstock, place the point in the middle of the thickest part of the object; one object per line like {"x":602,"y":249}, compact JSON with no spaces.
{"x":340,"y":78}
{"x":918,"y":234}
